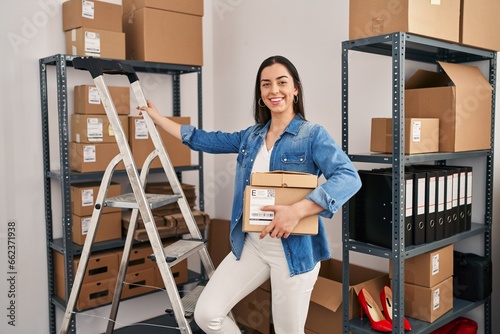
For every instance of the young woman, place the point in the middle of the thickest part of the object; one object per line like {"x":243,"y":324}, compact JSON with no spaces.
{"x":281,"y":139}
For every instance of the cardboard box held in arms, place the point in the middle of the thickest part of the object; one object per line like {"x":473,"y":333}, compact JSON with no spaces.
{"x":277,"y":188}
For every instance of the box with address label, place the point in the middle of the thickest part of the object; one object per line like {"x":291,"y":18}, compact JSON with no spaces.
{"x":421,"y":135}
{"x":88,"y":101}
{"x":277,"y":188}
{"x":95,"y":43}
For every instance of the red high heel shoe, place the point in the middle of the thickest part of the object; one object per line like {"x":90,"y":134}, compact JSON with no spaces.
{"x":377,"y":320}
{"x":386,"y":299}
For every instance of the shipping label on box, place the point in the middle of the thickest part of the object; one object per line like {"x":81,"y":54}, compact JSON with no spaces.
{"x":277,"y":188}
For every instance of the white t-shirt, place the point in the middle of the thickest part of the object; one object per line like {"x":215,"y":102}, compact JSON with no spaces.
{"x":262,"y":159}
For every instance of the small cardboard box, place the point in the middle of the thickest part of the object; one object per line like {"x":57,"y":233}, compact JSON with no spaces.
{"x":139,"y":282}
{"x":88,"y":101}
{"x":92,"y":157}
{"x":95,"y":128}
{"x":138,"y":259}
{"x":460,"y":97}
{"x":421,"y":135}
{"x":325,"y":308}
{"x":92,"y":14}
{"x":164,"y":36}
{"x":110,"y":227}
{"x":430,"y":268}
{"x":193,"y":7}
{"x":100,"y":266}
{"x":95,"y":43}
{"x":479,"y":24}
{"x":141,"y":145}
{"x":98,"y":283}
{"x":428,"y":303}
{"x":83,"y":196}
{"x":93,"y":294}
{"x":277,"y":188}
{"x":433,"y":18}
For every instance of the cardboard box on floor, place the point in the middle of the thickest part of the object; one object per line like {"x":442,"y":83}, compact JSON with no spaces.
{"x":88,"y":101}
{"x":325,"y":310}
{"x":479,"y":24}
{"x":277,"y":187}
{"x":421,"y":135}
{"x":437,"y":19}
{"x":92,"y":14}
{"x":430,"y":268}
{"x":141,"y":145}
{"x":95,"y":43}
{"x":463,"y":108}
{"x":165,"y":32}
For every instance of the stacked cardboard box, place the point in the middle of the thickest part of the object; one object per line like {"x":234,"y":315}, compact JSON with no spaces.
{"x":428,"y":284}
{"x":93,"y":144}
{"x":460,"y":97}
{"x":421,"y":135}
{"x":452,"y":109}
{"x":141,"y":145}
{"x":98,"y":283}
{"x":165,"y":31}
{"x":83,"y":197}
{"x":93,"y":28}
{"x":468,"y":22}
{"x":273,"y":188}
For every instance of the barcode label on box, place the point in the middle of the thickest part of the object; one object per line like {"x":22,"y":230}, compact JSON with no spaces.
{"x":87,"y":197}
{"x":258,"y":199}
{"x":435,"y":301}
{"x":94,"y":129}
{"x":141,"y":130}
{"x":94,"y":97}
{"x":88,"y":9}
{"x":435,"y":264}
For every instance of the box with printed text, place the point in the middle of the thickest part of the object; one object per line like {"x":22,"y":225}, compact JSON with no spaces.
{"x":277,"y":188}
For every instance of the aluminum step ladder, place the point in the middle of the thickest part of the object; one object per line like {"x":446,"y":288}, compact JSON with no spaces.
{"x":140,"y":203}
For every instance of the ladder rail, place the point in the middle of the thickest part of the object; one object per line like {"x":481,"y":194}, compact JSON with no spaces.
{"x":126,"y":251}
{"x":89,"y":240}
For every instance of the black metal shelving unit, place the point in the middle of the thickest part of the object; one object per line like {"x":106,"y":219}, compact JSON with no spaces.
{"x":66,"y":177}
{"x":401,"y":47}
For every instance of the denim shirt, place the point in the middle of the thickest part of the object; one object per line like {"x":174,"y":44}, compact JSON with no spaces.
{"x":303,"y":147}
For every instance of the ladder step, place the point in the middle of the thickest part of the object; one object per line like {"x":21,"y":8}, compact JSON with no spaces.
{"x":189,"y":301}
{"x":128,"y":201}
{"x":180,"y":250}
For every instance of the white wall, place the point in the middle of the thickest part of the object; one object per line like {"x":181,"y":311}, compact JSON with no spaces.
{"x":238,"y":35}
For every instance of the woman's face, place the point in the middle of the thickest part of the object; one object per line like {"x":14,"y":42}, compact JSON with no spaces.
{"x":277,"y":89}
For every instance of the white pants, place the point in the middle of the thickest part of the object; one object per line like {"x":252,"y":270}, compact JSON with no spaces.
{"x":233,"y":280}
